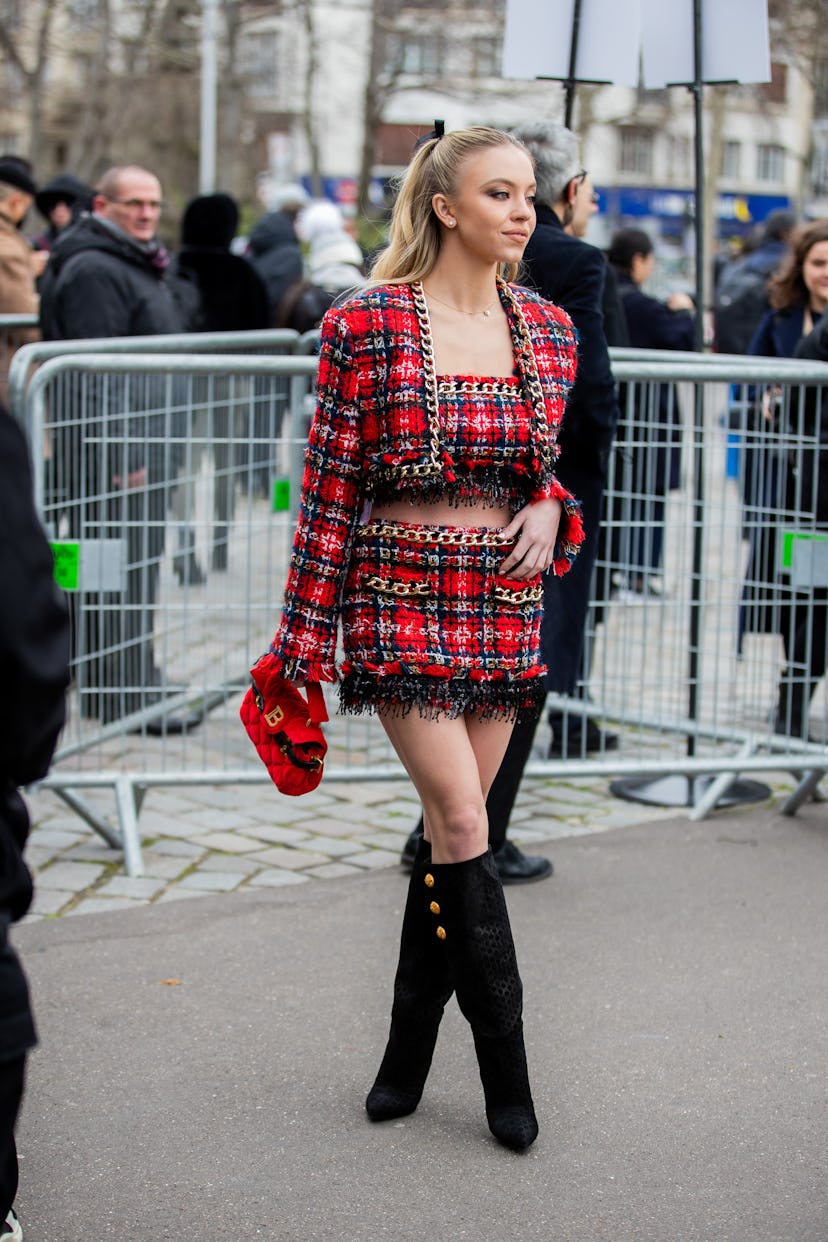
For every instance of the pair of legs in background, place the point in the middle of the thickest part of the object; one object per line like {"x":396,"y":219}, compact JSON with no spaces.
{"x":456,"y":935}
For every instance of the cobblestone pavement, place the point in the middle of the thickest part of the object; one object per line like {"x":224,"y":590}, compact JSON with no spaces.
{"x":207,"y":840}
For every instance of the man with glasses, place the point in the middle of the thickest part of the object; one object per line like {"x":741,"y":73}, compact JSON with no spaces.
{"x":106,"y":277}
{"x":106,"y":273}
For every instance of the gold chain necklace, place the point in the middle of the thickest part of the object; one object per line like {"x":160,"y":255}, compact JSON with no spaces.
{"x":485,"y":313}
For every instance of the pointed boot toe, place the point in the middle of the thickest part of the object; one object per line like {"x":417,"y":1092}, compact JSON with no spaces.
{"x":385,"y":1102}
{"x":514,"y":1126}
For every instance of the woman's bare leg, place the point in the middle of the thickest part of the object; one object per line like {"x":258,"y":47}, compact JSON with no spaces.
{"x":452,"y":764}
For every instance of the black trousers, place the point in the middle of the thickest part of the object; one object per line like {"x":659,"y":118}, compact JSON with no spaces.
{"x":12,"y":1076}
{"x":566,"y":605}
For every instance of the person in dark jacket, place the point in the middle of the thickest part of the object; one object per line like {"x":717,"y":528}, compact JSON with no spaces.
{"x":568,"y":271}
{"x":232,"y":296}
{"x":34,"y":673}
{"x":741,"y":296}
{"x":107,"y":274}
{"x":564,"y":268}
{"x":107,"y":277}
{"x":273,"y":249}
{"x":60,"y":202}
{"x":217,"y":291}
{"x":779,"y":480}
{"x":653,"y":431}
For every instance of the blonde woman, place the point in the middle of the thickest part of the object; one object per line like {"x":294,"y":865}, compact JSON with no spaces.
{"x":429,"y":512}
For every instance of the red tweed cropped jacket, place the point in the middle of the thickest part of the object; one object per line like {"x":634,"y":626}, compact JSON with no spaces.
{"x":377,"y":433}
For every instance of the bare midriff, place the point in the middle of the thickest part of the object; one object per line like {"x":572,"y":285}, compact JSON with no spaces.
{"x":441,"y":513}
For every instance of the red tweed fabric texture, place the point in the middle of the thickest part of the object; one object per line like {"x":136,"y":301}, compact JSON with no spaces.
{"x":382,"y":428}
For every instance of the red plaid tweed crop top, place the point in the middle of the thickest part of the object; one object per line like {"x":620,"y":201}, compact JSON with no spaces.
{"x":386,"y":425}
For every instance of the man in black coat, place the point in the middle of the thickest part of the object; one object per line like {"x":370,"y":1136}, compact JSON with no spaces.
{"x":568,"y":271}
{"x":571,"y":273}
{"x":107,"y":277}
{"x":106,"y":274}
{"x":34,"y":673}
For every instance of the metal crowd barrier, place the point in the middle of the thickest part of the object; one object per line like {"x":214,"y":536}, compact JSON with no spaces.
{"x":28,"y":357}
{"x":150,"y":458}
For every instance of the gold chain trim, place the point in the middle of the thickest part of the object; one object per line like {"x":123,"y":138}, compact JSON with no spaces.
{"x":444,"y":536}
{"x":528,"y":595}
{"x":383,"y":586}
{"x":432,"y":406}
{"x":486,"y":388}
{"x":527,"y":367}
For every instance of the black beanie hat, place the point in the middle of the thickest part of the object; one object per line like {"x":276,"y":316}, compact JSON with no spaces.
{"x":65,"y":188}
{"x":210,"y":220}
{"x":15,"y":172}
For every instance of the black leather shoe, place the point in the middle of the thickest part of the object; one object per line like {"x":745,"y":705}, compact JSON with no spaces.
{"x":515,"y":867}
{"x":571,"y":742}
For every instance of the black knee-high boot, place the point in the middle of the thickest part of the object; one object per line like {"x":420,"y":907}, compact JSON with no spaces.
{"x":478,"y":940}
{"x":422,"y":987}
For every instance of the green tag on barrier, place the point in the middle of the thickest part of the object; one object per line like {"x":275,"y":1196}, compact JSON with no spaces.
{"x":281,"y":495}
{"x":791,"y":537}
{"x":67,"y":565}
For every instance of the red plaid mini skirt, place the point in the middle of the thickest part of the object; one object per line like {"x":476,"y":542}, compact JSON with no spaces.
{"x":429,"y":622}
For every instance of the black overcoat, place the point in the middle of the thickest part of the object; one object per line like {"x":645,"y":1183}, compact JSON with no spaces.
{"x":34,"y":673}
{"x":572,"y":274}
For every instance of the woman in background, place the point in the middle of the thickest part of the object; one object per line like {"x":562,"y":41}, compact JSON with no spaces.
{"x":785,"y":478}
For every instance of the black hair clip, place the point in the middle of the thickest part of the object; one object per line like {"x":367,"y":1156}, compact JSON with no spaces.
{"x":438,"y":132}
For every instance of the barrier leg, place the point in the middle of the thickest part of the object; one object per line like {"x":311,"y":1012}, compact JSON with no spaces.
{"x":807,"y":788}
{"x":82,"y":808}
{"x":127,"y":803}
{"x":716,"y":789}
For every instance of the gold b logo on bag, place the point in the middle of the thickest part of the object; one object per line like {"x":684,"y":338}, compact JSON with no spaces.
{"x":272,"y":718}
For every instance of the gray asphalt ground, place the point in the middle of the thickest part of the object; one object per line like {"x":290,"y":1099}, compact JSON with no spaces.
{"x":203,"y":1063}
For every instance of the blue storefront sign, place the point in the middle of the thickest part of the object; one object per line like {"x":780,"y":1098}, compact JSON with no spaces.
{"x":343,"y":190}
{"x":674,"y":209}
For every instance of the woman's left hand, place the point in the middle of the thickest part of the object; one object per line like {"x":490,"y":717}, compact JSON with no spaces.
{"x":535,"y":528}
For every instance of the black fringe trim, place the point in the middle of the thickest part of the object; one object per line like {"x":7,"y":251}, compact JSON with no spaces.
{"x":400,"y":693}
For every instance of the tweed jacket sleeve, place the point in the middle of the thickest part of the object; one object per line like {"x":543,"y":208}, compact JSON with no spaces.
{"x":330,"y":506}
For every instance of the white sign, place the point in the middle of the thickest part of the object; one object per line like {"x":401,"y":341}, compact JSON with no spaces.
{"x":614,"y":40}
{"x":735,"y":41}
{"x":538,"y":36}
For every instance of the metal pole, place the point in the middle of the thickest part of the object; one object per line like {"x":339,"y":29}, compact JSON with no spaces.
{"x":687,"y":790}
{"x":569,"y":85}
{"x":209,"y":78}
{"x":698,"y":389}
{"x":698,"y":108}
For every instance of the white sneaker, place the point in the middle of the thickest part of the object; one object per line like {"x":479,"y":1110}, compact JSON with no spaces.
{"x":11,"y":1230}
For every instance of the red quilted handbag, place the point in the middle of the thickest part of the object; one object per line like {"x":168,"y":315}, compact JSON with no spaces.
{"x":286,"y":728}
